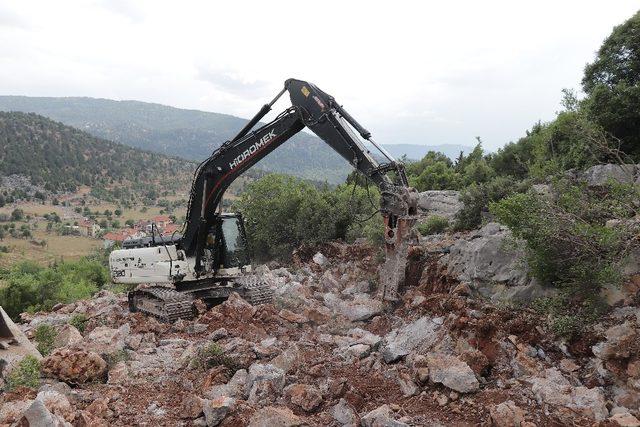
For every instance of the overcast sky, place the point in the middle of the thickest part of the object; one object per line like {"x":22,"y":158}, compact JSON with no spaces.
{"x":412,"y":72}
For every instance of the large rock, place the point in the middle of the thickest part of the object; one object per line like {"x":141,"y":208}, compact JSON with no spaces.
{"x":487,"y":257}
{"x":554,"y":389}
{"x":491,"y":260}
{"x":57,"y":403}
{"x":67,"y":336}
{"x":304,"y":396}
{"x":362,"y":307}
{"x":264,"y":383}
{"x":419,"y":335}
{"x":74,"y":366}
{"x":37,"y":415}
{"x":507,"y":414}
{"x":14,"y":345}
{"x":622,"y":341}
{"x":105,"y":340}
{"x":344,"y":414}
{"x":452,"y":373}
{"x":275,"y":416}
{"x":234,"y":388}
{"x":381,"y":417}
{"x":444,"y":203}
{"x":217,"y":409}
{"x":600,"y":175}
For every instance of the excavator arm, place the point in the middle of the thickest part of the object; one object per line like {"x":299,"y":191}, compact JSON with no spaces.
{"x":318,"y":111}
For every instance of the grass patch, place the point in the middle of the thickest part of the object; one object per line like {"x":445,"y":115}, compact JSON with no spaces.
{"x":212,"y":355}
{"x":79,"y":321}
{"x":45,"y":335}
{"x":25,"y":374}
{"x":435,"y":224}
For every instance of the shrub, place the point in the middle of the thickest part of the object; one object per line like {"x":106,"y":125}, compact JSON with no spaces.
{"x":476,"y":199}
{"x":282,"y":212}
{"x":569,"y":246}
{"x":79,"y":321}
{"x":45,"y":335}
{"x":30,"y":287}
{"x":212,"y":355}
{"x":25,"y":374}
{"x":433,"y":225}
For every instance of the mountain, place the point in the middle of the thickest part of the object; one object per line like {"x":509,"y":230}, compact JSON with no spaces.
{"x":189,"y":134}
{"x":193,"y":134}
{"x":62,"y":158}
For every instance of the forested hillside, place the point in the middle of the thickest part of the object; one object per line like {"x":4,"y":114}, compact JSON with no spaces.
{"x":61,"y":158}
{"x":193,"y":134}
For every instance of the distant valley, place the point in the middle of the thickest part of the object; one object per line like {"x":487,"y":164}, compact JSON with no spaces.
{"x":193,"y":134}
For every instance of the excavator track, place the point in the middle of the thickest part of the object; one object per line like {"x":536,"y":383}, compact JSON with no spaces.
{"x":165,"y":304}
{"x":255,"y":290}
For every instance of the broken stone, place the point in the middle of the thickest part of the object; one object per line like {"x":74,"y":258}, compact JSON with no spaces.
{"x":452,"y":373}
{"x":420,"y":336}
{"x":234,"y":388}
{"x":381,"y":417}
{"x":622,"y":342}
{"x":218,"y":334}
{"x":57,"y":403}
{"x":74,"y":366}
{"x":67,"y":336}
{"x":305,"y":396}
{"x":507,"y":414}
{"x":288,"y":359}
{"x":320,"y":259}
{"x":217,"y":409}
{"x":119,"y":374}
{"x":624,"y":420}
{"x":590,"y":402}
{"x":407,"y":386}
{"x":104,"y":340}
{"x":344,"y":414}
{"x":264,"y":383}
{"x":273,"y":416}
{"x":292,"y":317}
{"x":37,"y":415}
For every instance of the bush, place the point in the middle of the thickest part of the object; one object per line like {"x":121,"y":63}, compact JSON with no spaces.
{"x":433,"y":225}
{"x":568,"y":244}
{"x":25,"y":374}
{"x":17,"y":215}
{"x":282,"y":212}
{"x":476,"y":199}
{"x":79,"y":321}
{"x":212,"y":355}
{"x":45,"y":335}
{"x":30,"y":287}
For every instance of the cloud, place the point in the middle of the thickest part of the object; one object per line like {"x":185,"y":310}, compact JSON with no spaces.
{"x":232,"y":82}
{"x":126,"y":8}
{"x":9,"y":18}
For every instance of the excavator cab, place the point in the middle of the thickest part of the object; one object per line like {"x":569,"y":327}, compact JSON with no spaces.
{"x":231,"y":242}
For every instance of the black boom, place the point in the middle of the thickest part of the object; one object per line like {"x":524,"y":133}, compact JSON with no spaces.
{"x":313,"y":108}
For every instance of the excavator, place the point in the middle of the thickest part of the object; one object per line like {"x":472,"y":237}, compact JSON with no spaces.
{"x":209,"y":259}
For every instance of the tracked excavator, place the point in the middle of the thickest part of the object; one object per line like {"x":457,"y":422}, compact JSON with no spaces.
{"x":209,"y":259}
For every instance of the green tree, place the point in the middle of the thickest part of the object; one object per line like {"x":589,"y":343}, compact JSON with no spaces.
{"x":612,"y":83}
{"x":17,"y":215}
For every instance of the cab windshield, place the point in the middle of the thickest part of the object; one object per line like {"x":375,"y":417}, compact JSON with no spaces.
{"x":235,"y":247}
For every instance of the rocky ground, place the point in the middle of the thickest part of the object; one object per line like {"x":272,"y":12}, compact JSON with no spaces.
{"x":327,"y":353}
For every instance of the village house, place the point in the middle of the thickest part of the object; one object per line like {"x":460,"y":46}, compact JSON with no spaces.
{"x":88,"y":228}
{"x":161,"y":221}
